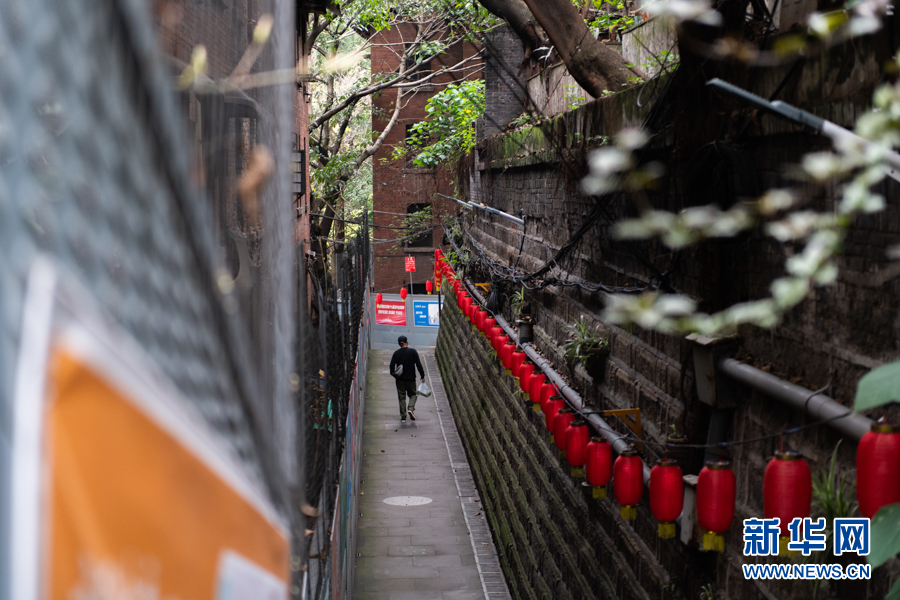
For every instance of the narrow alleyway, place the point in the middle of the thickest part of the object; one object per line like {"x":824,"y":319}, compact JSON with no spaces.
{"x":419,"y":545}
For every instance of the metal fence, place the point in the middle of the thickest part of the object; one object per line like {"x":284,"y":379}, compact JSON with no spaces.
{"x":337,"y":339}
{"x":97,"y":173}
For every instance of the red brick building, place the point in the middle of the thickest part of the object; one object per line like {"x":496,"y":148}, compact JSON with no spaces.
{"x":399,"y":187}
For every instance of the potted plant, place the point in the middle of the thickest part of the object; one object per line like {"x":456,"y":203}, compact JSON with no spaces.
{"x":587,"y":347}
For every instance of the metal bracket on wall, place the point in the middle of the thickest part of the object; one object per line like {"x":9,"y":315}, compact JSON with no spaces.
{"x":633,"y":424}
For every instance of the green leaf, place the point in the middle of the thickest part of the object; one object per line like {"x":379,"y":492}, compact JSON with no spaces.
{"x":878,"y":387}
{"x":885,"y":534}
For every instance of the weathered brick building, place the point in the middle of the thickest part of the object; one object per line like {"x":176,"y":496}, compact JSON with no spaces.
{"x":398,"y":186}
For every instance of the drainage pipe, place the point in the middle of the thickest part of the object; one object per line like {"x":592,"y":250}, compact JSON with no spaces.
{"x":617,"y":440}
{"x":819,"y":406}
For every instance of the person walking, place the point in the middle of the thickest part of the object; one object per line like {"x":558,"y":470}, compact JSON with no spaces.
{"x":403,"y":367}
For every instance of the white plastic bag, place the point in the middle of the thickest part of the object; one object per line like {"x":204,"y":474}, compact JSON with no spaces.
{"x":423,"y":389}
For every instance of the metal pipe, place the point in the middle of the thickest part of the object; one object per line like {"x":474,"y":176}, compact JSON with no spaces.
{"x":819,"y":406}
{"x":617,"y":440}
{"x":515,"y":220}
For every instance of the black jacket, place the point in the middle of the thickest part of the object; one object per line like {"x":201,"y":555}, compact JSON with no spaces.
{"x":409,"y":358}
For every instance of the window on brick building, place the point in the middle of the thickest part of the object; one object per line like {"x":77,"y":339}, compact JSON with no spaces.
{"x":424,"y":240}
{"x":419,"y":72}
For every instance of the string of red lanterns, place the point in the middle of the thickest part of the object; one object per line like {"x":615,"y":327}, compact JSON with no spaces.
{"x":787,"y":485}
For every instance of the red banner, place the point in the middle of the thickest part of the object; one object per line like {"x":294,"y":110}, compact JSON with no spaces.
{"x":390,"y":312}
{"x":410,"y":264}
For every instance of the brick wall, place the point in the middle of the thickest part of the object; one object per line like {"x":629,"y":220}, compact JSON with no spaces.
{"x":835,"y":336}
{"x":398,"y":183}
{"x":504,"y":94}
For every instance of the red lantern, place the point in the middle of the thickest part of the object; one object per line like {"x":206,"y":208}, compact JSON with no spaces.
{"x":403,"y":293}
{"x":525,"y":371}
{"x":547,"y":390}
{"x":456,"y":286}
{"x":551,"y":409}
{"x":499,"y":341}
{"x":787,"y":489}
{"x":877,"y":458}
{"x":506,"y":352}
{"x":666,"y":496}
{"x":534,"y":386}
{"x":577,"y":437}
{"x":438,"y":254}
{"x":480,"y":316}
{"x":378,"y":298}
{"x":518,"y":358}
{"x":561,"y":421}
{"x":598,"y":470}
{"x":628,"y":482}
{"x":489,"y":323}
{"x":716,"y":486}
{"x":466,"y":303}
{"x":491,"y":329}
{"x":429,"y":286}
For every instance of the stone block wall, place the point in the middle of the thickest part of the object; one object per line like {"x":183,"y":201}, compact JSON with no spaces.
{"x":554,"y":540}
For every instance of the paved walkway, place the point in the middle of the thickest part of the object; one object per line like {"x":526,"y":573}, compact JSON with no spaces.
{"x":424,"y":551}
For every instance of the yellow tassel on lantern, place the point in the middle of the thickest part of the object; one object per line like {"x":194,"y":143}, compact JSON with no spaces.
{"x":666,"y":531}
{"x":599,"y":491}
{"x":562,"y":454}
{"x":577,"y":471}
{"x":713,"y":541}
{"x":536,"y":406}
{"x":783,"y":551}
{"x":629,"y":513}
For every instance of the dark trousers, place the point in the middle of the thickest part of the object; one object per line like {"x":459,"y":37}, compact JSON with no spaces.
{"x":406,"y":387}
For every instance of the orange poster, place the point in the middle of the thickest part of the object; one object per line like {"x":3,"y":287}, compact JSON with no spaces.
{"x":136,"y":497}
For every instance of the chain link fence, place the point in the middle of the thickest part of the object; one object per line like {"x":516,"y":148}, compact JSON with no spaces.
{"x":334,"y":394}
{"x":128,"y":182}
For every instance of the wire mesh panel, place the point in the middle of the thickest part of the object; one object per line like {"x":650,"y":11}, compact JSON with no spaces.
{"x":334,"y":365}
{"x":96,"y":172}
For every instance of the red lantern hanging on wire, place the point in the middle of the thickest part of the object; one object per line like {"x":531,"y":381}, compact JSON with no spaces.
{"x":403,"y":293}
{"x":547,"y":390}
{"x":429,"y":286}
{"x":492,"y":330}
{"x":877,"y":461}
{"x":628,"y":482}
{"x":378,"y":298}
{"x":518,"y":358}
{"x":499,"y":341}
{"x":506,"y":353}
{"x":599,"y":467}
{"x":466,"y":304}
{"x":552,"y":408}
{"x":716,"y":487}
{"x":666,"y":496}
{"x":577,"y":437}
{"x":480,"y":316}
{"x":561,"y":421}
{"x":525,"y":371}
{"x":787,"y":491}
{"x":473,"y":308}
{"x":534,"y":388}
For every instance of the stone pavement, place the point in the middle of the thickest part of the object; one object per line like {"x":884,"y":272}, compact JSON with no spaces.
{"x":424,"y":551}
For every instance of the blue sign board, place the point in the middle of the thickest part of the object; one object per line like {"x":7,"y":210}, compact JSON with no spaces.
{"x":427,"y":314}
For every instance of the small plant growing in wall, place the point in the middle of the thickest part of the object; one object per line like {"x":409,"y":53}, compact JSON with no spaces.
{"x":516,"y":303}
{"x":707,"y":592}
{"x":586,"y":347}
